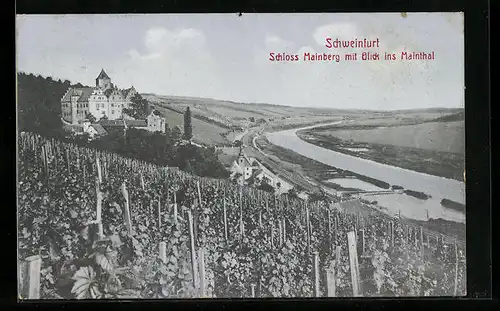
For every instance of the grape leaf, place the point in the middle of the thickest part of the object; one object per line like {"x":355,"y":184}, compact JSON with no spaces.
{"x":85,"y":286}
{"x":105,"y":258}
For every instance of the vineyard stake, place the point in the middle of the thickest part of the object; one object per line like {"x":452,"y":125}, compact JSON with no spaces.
{"x":30,"y":277}
{"x":199,"y":193}
{"x":280,"y":228}
{"x":99,"y":174}
{"x":163,"y":252}
{"x":253,"y":290}
{"x":330,"y":280}
{"x":175,"y":209}
{"x":272,"y":235}
{"x":284,"y":230}
{"x":316,"y":274}
{"x":329,"y":229}
{"x":392,"y":234}
{"x":158,"y":213}
{"x":422,"y":241}
{"x":128,"y":221}
{"x":225,"y":218}
{"x":67,"y":161}
{"x":362,"y":242}
{"x":260,"y":219}
{"x":456,"y":271}
{"x":353,"y":260}
{"x":241,"y":213}
{"x":98,"y":203}
{"x":193,"y":253}
{"x":308,"y":228}
{"x":142,"y":182}
{"x":201,"y":259}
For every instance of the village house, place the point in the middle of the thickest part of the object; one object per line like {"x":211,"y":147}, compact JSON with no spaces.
{"x":155,"y":122}
{"x":249,"y":171}
{"x":94,"y":130}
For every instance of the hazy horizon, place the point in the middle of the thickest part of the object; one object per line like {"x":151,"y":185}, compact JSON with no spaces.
{"x":225,"y":57}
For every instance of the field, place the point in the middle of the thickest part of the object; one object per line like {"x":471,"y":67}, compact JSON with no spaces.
{"x":203,"y":132}
{"x":436,"y":136}
{"x":243,"y":115}
{"x":415,"y":141}
{"x":103,"y":226}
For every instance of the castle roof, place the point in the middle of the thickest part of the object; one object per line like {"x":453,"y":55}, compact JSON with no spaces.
{"x":83,"y":93}
{"x":103,"y":75}
{"x":108,"y":92}
{"x":126,"y":92}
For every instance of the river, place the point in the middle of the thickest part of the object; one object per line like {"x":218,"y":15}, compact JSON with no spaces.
{"x":437,"y":187}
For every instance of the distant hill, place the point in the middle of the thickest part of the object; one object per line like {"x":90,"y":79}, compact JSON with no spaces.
{"x":460,"y":116}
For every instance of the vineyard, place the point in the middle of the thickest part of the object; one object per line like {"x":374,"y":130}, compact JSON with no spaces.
{"x":94,"y":225}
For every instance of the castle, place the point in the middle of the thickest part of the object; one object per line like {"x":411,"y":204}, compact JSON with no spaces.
{"x":105,"y":99}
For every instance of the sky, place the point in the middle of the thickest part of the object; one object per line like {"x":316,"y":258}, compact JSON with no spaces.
{"x":226,"y":56}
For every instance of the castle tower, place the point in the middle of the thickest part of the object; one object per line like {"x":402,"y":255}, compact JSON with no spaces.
{"x":103,"y":81}
{"x":241,"y":157}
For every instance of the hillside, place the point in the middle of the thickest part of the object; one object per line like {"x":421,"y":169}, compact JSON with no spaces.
{"x":39,"y":102}
{"x":120,"y":228}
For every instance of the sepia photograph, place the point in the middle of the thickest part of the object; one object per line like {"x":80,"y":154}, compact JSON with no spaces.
{"x":181,"y":156}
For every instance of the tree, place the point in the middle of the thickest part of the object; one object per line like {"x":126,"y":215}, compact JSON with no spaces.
{"x":188,"y":127}
{"x":264,"y":186}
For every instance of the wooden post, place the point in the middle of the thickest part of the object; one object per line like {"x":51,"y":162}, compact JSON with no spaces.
{"x":225,"y":219}
{"x":280,"y":233}
{"x":253,"y":290}
{"x":193,"y":253}
{"x":201,"y":260}
{"x":260,"y":219}
{"x":128,"y":221}
{"x":98,"y":203}
{"x":30,"y":277}
{"x":422,"y":241}
{"x":199,"y":193}
{"x":337,"y":256}
{"x":329,"y":231}
{"x":284,"y":230}
{"x":272,"y":235}
{"x":316,"y":274}
{"x":308,"y":228}
{"x":142,"y":182}
{"x":67,"y":161}
{"x":353,"y":260}
{"x":163,"y":252}
{"x":241,"y":213}
{"x":362,"y":242}
{"x":392,"y":233}
{"x":456,"y":271}
{"x":99,"y":174}
{"x":330,"y":280}
{"x":158,"y":213}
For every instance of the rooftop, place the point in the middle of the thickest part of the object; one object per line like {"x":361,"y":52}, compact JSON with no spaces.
{"x":103,"y":75}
